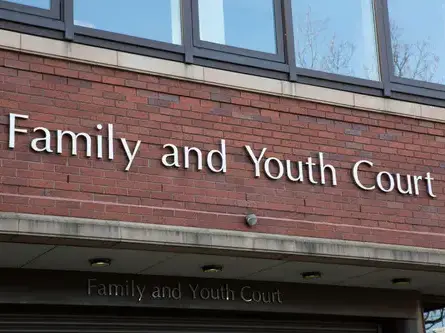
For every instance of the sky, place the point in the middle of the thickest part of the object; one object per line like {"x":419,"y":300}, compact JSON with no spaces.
{"x":248,"y":24}
{"x":417,"y":24}
{"x":432,"y":316}
{"x":45,"y":4}
{"x":150,"y":19}
{"x":349,"y":23}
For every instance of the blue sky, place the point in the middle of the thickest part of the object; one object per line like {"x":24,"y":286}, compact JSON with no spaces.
{"x":45,"y":4}
{"x":247,"y":23}
{"x":250,"y":24}
{"x":352,"y":24}
{"x":149,"y":19}
{"x":418,"y":23}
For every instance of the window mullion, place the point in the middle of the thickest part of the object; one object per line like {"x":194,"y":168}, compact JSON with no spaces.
{"x":68,"y":18}
{"x":280,"y":41}
{"x":384,"y":44}
{"x":187,"y":31}
{"x":289,"y":40}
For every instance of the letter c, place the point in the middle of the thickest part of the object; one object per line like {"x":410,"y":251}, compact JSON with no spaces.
{"x":355,"y":175}
{"x":247,"y":300}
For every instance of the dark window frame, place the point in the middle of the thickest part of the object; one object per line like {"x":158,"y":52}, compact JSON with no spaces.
{"x":383,"y":45}
{"x":126,"y":39}
{"x":418,"y":83}
{"x":54,"y":12}
{"x":58,"y":23}
{"x":339,"y":78}
{"x":34,"y":16}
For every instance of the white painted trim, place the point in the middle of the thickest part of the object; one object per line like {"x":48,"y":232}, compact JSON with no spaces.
{"x":143,"y":64}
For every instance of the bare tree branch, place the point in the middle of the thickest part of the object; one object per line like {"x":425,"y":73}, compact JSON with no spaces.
{"x":434,"y":317}
{"x":413,"y":61}
{"x":307,"y":49}
{"x":335,"y":59}
{"x":339,"y":57}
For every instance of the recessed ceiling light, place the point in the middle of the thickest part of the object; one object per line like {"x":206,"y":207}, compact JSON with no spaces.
{"x":311,"y":275}
{"x":212,"y":268}
{"x":100,"y":262}
{"x":401,"y":281}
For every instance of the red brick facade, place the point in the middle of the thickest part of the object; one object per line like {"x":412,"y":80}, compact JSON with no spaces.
{"x":64,"y":95}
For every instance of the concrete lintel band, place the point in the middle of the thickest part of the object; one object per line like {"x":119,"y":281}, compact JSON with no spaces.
{"x":18,"y":227}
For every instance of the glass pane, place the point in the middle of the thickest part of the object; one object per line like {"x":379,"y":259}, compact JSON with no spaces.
{"x":45,"y":4}
{"x":151,"y":19}
{"x":336,"y":37}
{"x":434,"y":320}
{"x":418,"y":39}
{"x":248,"y":24}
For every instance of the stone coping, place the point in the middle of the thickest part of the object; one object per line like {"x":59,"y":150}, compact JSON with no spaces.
{"x":29,"y":228}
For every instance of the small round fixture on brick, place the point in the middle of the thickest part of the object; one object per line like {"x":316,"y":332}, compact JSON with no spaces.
{"x":212,"y":268}
{"x":251,"y":219}
{"x":401,"y":281}
{"x":100,"y":262}
{"x":311,"y":275}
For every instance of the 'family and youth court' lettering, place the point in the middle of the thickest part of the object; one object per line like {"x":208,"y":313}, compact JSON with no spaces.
{"x":311,"y":171}
{"x":224,"y":292}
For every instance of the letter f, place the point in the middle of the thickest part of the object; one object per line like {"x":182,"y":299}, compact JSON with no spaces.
{"x":13,"y":130}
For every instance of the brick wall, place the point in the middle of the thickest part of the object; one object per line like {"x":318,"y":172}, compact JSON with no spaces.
{"x":71,"y":96}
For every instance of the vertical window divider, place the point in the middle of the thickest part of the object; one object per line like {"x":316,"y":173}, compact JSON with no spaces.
{"x":68,"y":18}
{"x":187,"y":30}
{"x":195,"y":22}
{"x":279,"y":29}
{"x":289,"y":41}
{"x":384,"y":44}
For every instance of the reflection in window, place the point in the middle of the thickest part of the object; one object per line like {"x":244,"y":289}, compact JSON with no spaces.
{"x":418,"y":39}
{"x":44,"y":4}
{"x":336,"y":37}
{"x":151,"y":19}
{"x":248,"y":24}
{"x":434,"y":319}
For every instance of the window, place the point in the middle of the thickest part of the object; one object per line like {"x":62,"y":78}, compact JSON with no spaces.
{"x":336,"y":37}
{"x":418,"y":39}
{"x":158,"y":20}
{"x":44,"y":4}
{"x":434,"y":318}
{"x":45,"y":12}
{"x":247,"y":24}
{"x":390,"y":48}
